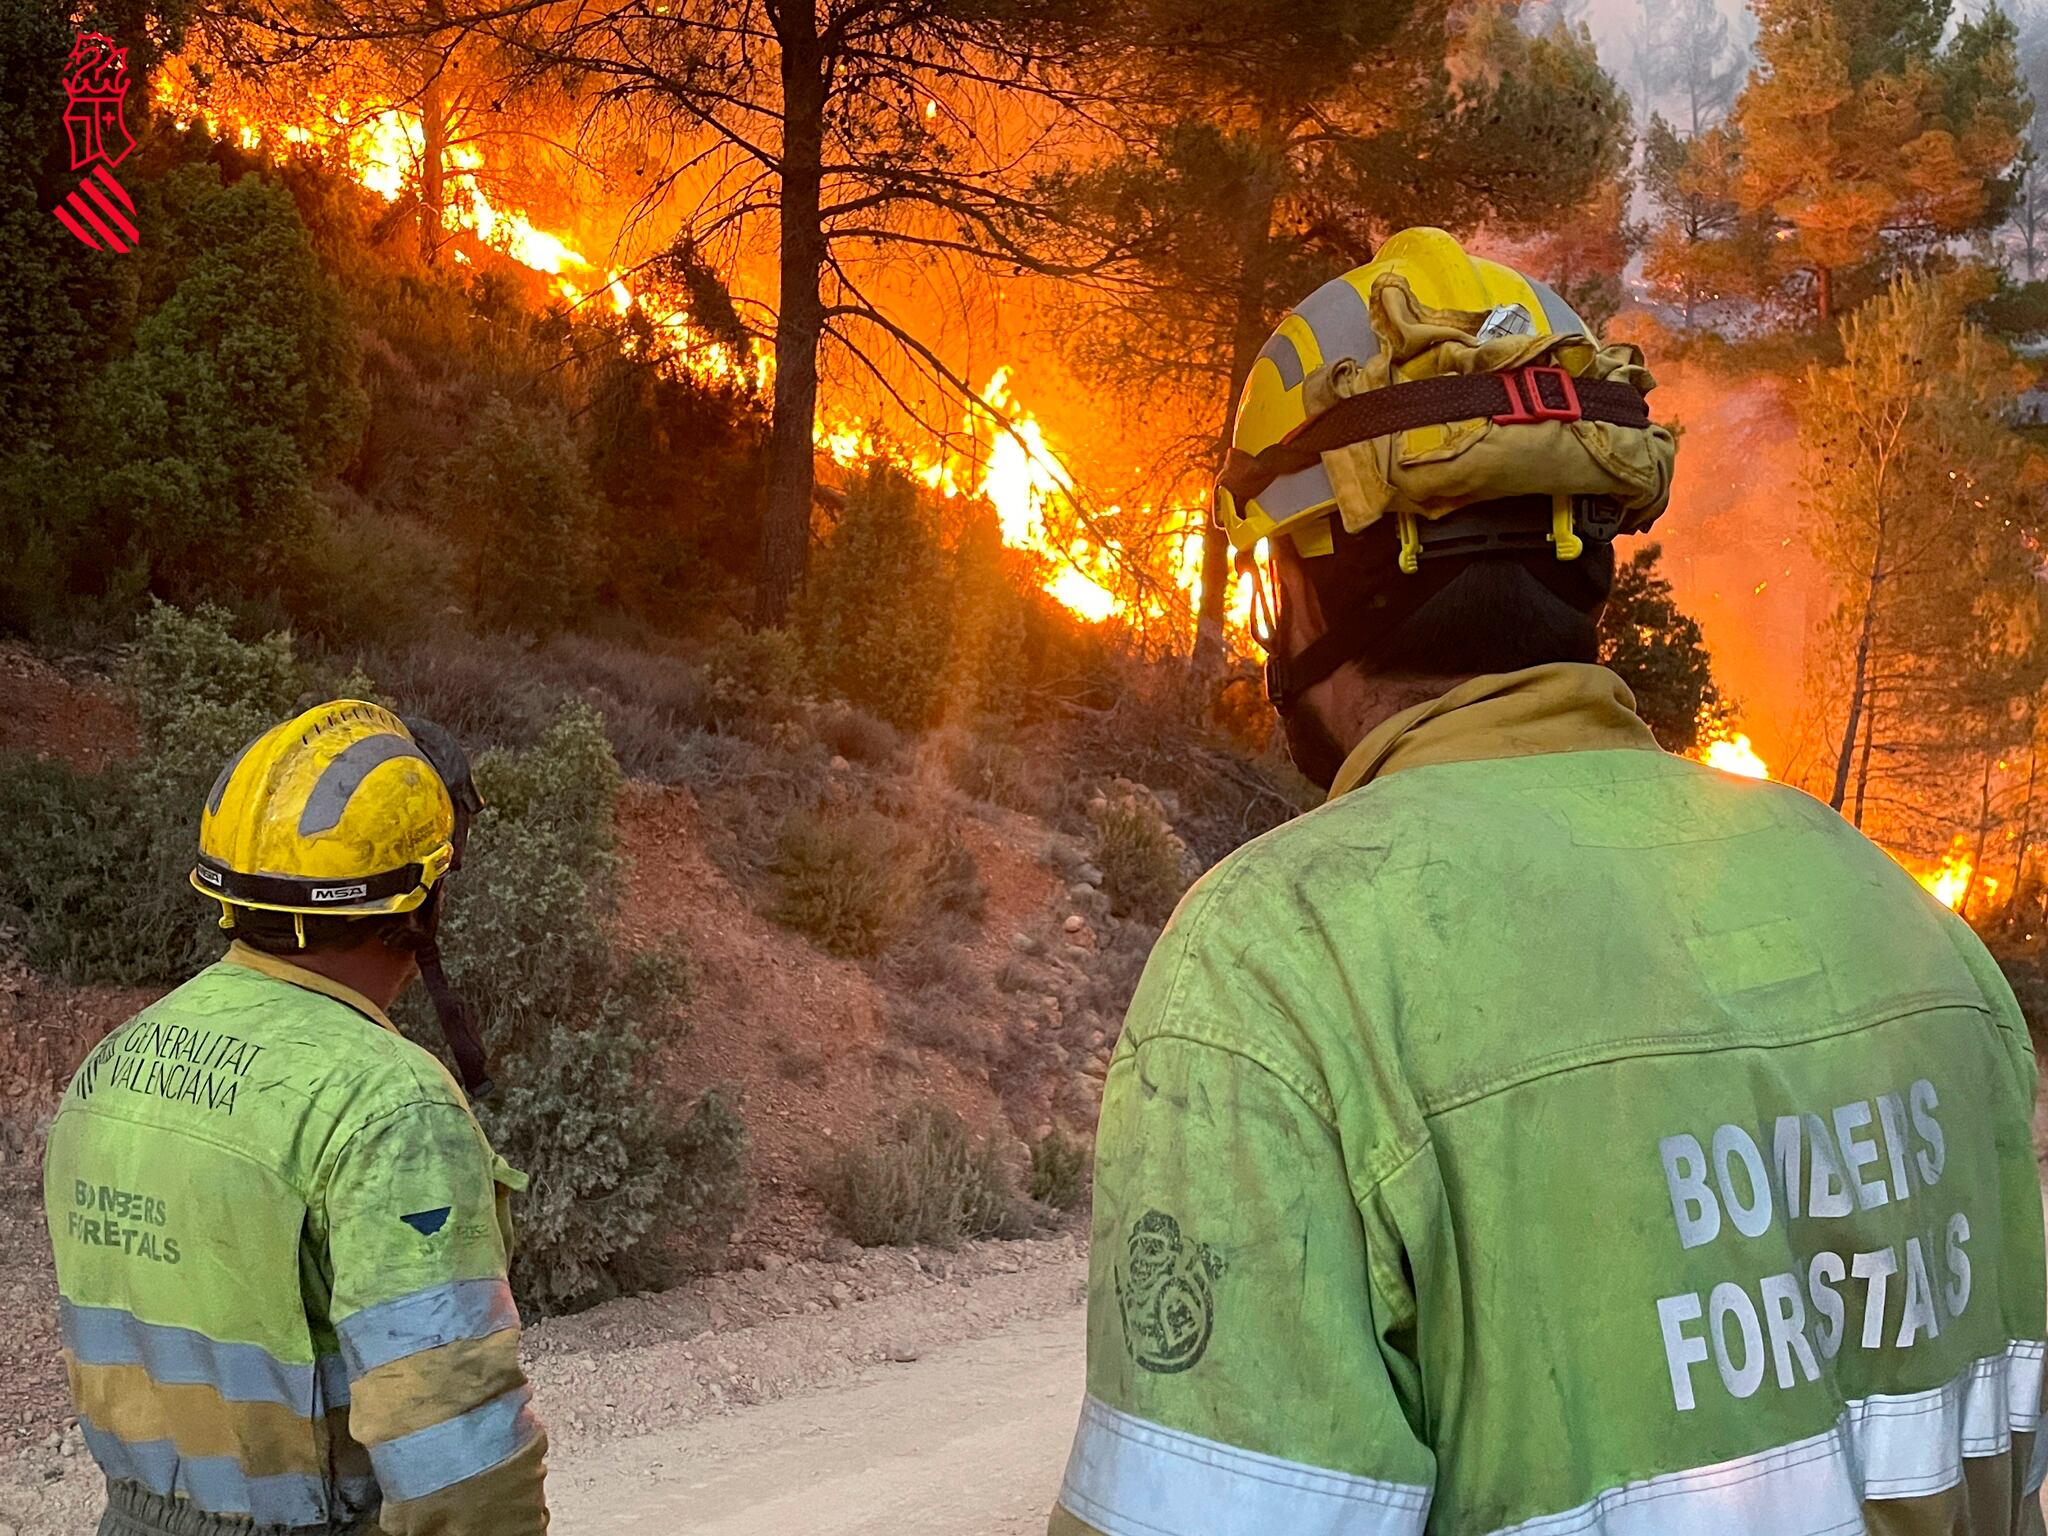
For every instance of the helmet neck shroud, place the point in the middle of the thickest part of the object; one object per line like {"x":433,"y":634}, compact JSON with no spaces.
{"x":1496,"y":600}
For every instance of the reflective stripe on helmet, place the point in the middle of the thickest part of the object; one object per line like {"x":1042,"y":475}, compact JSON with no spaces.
{"x":344,"y":775}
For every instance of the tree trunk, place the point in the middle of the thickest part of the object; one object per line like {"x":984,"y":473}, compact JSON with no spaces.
{"x":1859,"y":680}
{"x":1248,"y":330}
{"x":434,"y":139}
{"x":799,"y":321}
{"x":2026,"y":838}
{"x":433,"y":169}
{"x":1983,"y":828}
{"x":1863,"y":765}
{"x":1824,"y":289}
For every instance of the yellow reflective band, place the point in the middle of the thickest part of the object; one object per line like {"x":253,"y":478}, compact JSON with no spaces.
{"x":264,"y":1439}
{"x":419,"y":1391}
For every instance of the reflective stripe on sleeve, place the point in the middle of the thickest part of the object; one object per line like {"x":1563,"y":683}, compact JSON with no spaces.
{"x":441,"y":1314}
{"x":455,"y":1450}
{"x":219,"y":1484}
{"x":1890,"y":1446}
{"x":245,"y":1373}
{"x":1130,"y":1477}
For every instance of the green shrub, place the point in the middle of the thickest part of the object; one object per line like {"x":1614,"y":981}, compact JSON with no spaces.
{"x":873,"y":612}
{"x":753,"y":675}
{"x":567,"y":1019}
{"x":525,"y":519}
{"x":714,"y":1179}
{"x":95,"y":873}
{"x":847,"y":878}
{"x":1138,"y":855}
{"x":1059,"y":1170}
{"x":930,"y":1185}
{"x":367,"y":577}
{"x":239,"y":393}
{"x":995,"y":771}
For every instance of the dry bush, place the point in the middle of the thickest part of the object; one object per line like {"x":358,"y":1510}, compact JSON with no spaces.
{"x":930,"y":959}
{"x":1140,"y":858}
{"x":852,"y":733}
{"x":1153,"y":731}
{"x":1059,"y":1170}
{"x":995,"y":771}
{"x":1110,"y":975}
{"x":847,"y":878}
{"x":949,"y":878}
{"x":930,"y":1185}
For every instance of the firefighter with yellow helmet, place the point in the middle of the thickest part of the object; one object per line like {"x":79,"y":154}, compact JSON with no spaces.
{"x":1547,"y":1135}
{"x":280,"y":1235}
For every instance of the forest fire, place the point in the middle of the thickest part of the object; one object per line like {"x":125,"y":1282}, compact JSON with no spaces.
{"x":1733,"y":753}
{"x":1952,"y":880}
{"x":1010,"y":463}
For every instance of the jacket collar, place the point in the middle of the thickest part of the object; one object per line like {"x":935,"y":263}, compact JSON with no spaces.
{"x":1562,"y":707}
{"x":279,"y":969}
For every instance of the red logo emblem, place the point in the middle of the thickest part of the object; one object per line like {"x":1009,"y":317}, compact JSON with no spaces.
{"x":99,"y":211}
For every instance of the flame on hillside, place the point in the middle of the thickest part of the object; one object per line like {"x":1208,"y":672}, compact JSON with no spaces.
{"x":1011,"y":464}
{"x":1733,"y":753}
{"x":1950,"y":882}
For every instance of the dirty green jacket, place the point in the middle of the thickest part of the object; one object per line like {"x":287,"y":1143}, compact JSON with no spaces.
{"x":281,"y":1246}
{"x":1552,"y":1136}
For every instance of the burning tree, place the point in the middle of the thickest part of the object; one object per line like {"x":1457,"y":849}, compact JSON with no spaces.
{"x":864,"y":136}
{"x":1921,"y":503}
{"x":1270,"y":147}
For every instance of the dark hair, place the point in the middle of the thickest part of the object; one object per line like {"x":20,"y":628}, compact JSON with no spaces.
{"x":275,"y":933}
{"x":1462,"y":615}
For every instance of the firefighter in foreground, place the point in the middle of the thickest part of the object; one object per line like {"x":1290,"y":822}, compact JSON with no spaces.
{"x":1547,"y":1135}
{"x":281,"y":1237}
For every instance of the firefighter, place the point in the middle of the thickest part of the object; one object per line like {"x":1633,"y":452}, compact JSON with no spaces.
{"x":1547,"y":1134}
{"x":281,"y":1236}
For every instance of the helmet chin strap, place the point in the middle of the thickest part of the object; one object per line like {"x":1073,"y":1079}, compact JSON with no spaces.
{"x":1318,"y":755}
{"x":458,"y":1028}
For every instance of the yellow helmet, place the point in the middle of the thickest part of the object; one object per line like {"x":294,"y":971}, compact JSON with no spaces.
{"x":339,"y":811}
{"x":1381,"y":393}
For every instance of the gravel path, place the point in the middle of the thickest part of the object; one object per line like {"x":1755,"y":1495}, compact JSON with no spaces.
{"x":782,"y":1378}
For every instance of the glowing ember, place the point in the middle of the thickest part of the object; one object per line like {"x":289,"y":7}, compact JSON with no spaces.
{"x":1733,"y":753}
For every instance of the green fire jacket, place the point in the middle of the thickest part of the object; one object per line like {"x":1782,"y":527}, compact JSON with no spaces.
{"x":281,"y":1247}
{"x":1555,"y":1137}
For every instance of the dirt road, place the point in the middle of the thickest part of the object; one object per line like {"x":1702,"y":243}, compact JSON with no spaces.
{"x":970,"y":1438}
{"x":898,"y":1393}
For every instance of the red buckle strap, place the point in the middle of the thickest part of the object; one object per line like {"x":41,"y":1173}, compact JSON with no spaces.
{"x":1526,"y":397}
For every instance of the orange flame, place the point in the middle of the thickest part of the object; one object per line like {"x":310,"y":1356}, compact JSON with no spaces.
{"x":1951,"y":880}
{"x":1733,"y":753}
{"x":1013,"y":466}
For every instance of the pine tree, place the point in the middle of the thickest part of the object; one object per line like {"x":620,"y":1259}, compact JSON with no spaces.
{"x":1921,"y":505}
{"x":1864,"y":143}
{"x":1657,"y":649}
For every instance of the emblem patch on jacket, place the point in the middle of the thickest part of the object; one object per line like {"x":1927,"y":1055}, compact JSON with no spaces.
{"x":1165,"y":1290}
